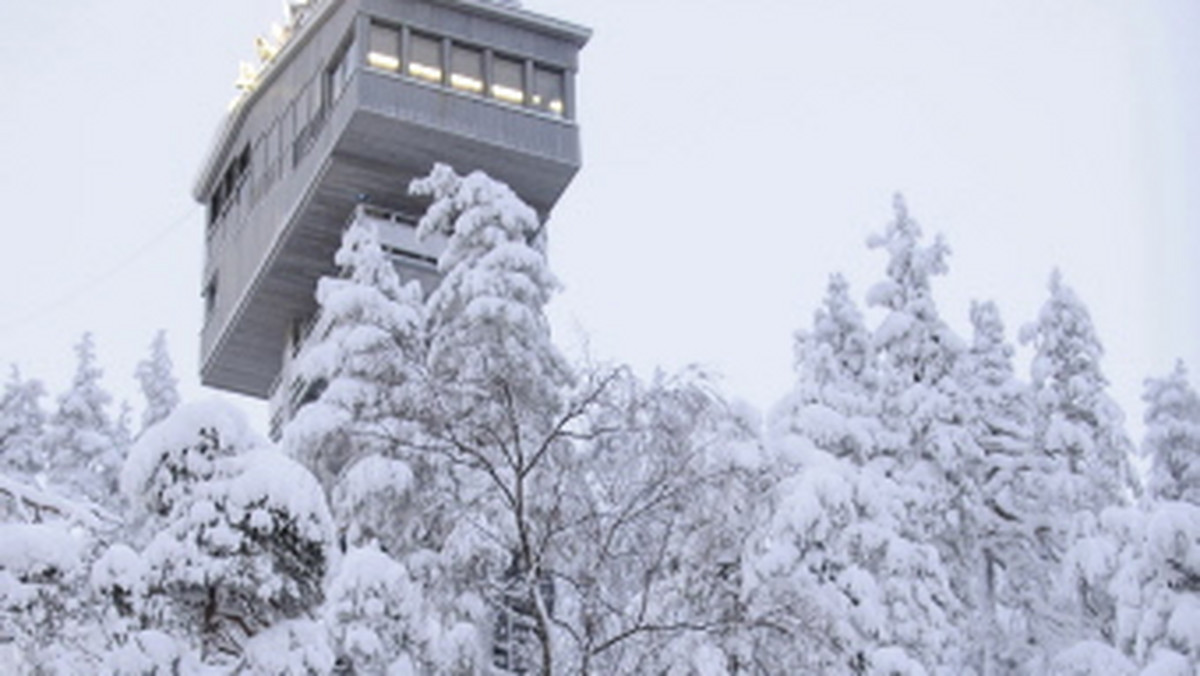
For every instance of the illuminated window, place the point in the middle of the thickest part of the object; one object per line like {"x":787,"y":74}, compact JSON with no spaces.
{"x":508,"y":80}
{"x":548,"y":90}
{"x":425,"y":57}
{"x":466,"y":68}
{"x":383,"y":49}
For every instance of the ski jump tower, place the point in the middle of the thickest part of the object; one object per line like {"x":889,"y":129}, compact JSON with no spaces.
{"x":350,"y":101}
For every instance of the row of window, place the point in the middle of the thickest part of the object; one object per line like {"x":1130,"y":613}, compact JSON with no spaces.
{"x":229,"y":187}
{"x":467,"y":68}
{"x":422,"y":56}
{"x":283,"y":144}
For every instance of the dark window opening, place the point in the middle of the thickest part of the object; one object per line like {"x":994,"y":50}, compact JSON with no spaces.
{"x":228,"y":190}
{"x":210,"y":297}
{"x":338,"y":76}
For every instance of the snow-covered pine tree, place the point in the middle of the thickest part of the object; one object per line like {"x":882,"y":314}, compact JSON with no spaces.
{"x":1076,"y":422}
{"x":159,"y":386}
{"x":242,"y":543}
{"x":499,"y":411}
{"x":1079,"y":433}
{"x":1159,"y":592}
{"x":84,"y":447}
{"x":364,"y":355}
{"x":1013,"y":614}
{"x":1172,"y":439}
{"x":362,"y":438}
{"x":22,"y":423}
{"x":927,"y":449}
{"x":834,"y":403}
{"x":836,"y":581}
{"x":819,"y":436}
{"x":917,"y":347}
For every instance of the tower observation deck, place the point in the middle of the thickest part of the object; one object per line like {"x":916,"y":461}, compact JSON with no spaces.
{"x":352,"y":101}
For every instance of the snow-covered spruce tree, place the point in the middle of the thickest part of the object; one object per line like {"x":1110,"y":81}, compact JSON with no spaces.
{"x":840,"y":584}
{"x":22,"y":423}
{"x":835,"y":576}
{"x":1013,"y":614}
{"x":1076,"y":422}
{"x":1079,"y":431}
{"x":360,"y":437}
{"x":1137,"y":570}
{"x":917,"y":348}
{"x":499,"y":414}
{"x":84,"y":446}
{"x":243,"y":542}
{"x":159,"y":386}
{"x":834,"y":403}
{"x":928,"y":449}
{"x":1159,"y":591}
{"x":364,"y":354}
{"x":1172,"y":437}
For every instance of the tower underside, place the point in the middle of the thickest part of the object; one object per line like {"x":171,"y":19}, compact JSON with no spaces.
{"x":326,"y":133}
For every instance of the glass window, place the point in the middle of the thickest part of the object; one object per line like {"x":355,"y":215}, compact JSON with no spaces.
{"x":288,"y":130}
{"x":304,"y":107}
{"x":339,"y":75}
{"x":425,"y":57}
{"x":548,"y":90}
{"x":508,"y":80}
{"x":466,"y":68}
{"x":270,"y":151}
{"x":210,"y":297}
{"x":383,"y":49}
{"x":277,"y":150}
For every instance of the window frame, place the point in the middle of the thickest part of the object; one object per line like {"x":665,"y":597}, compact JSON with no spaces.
{"x":420,"y":71}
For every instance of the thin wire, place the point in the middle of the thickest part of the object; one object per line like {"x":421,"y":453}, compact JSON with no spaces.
{"x":93,"y":283}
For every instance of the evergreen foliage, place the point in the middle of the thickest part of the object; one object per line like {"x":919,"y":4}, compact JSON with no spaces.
{"x":22,"y":423}
{"x":160,"y":387}
{"x":458,"y":497}
{"x":83,"y":445}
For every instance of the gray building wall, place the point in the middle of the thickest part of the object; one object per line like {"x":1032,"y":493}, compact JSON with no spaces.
{"x":312,"y":158}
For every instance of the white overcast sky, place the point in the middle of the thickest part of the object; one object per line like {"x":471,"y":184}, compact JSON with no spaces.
{"x":735,"y":154}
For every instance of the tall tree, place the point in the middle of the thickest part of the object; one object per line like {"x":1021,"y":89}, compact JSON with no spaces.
{"x":834,"y":403}
{"x":840,"y":574}
{"x":499,"y":411}
{"x":1077,"y":423}
{"x":22,"y":423}
{"x":918,"y":348}
{"x":1016,"y":574}
{"x":1159,"y":591}
{"x":364,"y":355}
{"x":1079,"y":432}
{"x":928,"y":449}
{"x":84,"y":446}
{"x":1172,"y":439}
{"x":159,"y":386}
